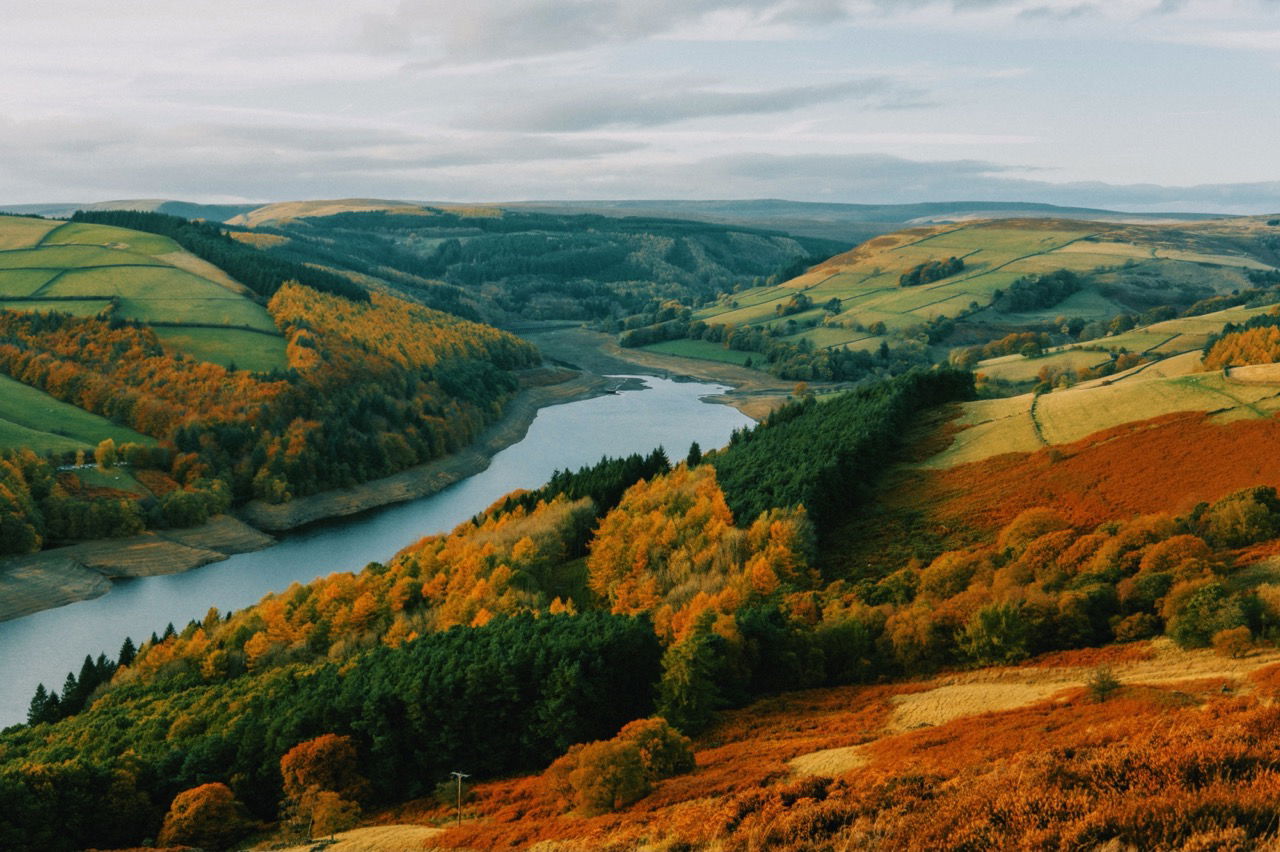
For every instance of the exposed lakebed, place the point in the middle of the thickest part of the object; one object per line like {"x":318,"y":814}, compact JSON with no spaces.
{"x":44,"y":646}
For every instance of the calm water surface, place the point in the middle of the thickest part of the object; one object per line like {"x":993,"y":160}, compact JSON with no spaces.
{"x":43,"y":647}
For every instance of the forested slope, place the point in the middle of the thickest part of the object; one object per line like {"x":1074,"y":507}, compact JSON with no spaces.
{"x":361,"y":385}
{"x":504,"y":265}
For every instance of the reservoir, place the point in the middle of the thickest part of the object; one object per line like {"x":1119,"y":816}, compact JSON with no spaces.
{"x":43,"y":647}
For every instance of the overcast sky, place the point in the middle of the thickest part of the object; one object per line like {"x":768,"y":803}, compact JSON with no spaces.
{"x":1138,"y":104}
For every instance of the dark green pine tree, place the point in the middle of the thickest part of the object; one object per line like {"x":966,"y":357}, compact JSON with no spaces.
{"x":695,"y":455}
{"x":38,"y":710}
{"x":128,"y":653}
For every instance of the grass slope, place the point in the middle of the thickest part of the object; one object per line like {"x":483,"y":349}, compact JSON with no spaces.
{"x":85,"y":269}
{"x":1029,"y":422}
{"x":1117,"y":258}
{"x":31,"y":418}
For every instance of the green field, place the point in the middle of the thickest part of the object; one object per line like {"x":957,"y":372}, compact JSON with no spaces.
{"x":247,"y":350}
{"x":71,"y":257}
{"x":75,"y":307}
{"x":116,"y":478}
{"x":704,"y":349}
{"x":19,"y":232}
{"x":31,"y":418}
{"x":82,"y":269}
{"x":82,"y":233}
{"x":24,"y":282}
{"x":866,"y":280}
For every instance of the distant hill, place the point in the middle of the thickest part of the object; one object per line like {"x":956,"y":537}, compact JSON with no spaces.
{"x":509,"y":265}
{"x":854,"y":222}
{"x":921,"y":291}
{"x":185,"y":209}
{"x":284,"y":211}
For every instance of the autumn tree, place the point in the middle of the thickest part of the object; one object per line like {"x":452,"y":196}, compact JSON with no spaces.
{"x":327,"y":762}
{"x":105,"y":454}
{"x":207,"y":816}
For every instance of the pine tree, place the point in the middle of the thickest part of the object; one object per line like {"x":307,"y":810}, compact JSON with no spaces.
{"x":695,"y":455}
{"x":38,"y":710}
{"x":128,"y":653}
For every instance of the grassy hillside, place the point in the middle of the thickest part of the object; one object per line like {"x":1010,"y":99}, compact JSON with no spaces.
{"x":32,"y":418}
{"x":977,"y":292}
{"x":283,"y":211}
{"x":1121,"y":261}
{"x":226,"y":389}
{"x":91,"y":269}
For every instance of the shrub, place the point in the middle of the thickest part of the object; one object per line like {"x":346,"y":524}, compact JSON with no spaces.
{"x":1233,"y":642}
{"x":608,"y":775}
{"x":996,"y":634}
{"x":1243,"y":518}
{"x":1133,"y":628}
{"x":327,"y":762}
{"x":1197,"y":611}
{"x":1102,"y":684}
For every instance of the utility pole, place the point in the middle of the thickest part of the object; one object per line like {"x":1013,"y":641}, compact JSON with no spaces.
{"x":458,"y":776}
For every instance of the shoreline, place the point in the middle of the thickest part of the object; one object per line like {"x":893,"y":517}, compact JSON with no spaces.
{"x":83,"y":571}
{"x":431,"y":477}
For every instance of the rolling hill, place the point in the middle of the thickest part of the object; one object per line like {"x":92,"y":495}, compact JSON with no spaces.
{"x":185,"y":209}
{"x":854,"y":222}
{"x":90,"y":269}
{"x":277,"y":383}
{"x":913,"y":296}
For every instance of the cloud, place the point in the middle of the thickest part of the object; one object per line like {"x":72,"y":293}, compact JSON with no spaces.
{"x":634,"y":107}
{"x":485,"y":29}
{"x":62,"y":158}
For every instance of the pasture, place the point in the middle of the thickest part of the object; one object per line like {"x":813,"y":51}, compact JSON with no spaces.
{"x":83,"y":269}
{"x":246,"y":350}
{"x":31,"y":418}
{"x":702,"y":349}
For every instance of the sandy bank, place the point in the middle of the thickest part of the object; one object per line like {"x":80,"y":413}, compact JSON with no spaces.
{"x":426,"y":479}
{"x":82,"y":571}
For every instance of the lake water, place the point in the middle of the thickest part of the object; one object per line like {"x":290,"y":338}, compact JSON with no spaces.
{"x":43,"y":647}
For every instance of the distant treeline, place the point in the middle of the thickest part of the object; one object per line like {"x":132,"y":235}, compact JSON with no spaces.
{"x":798,"y":360}
{"x":1033,"y":292}
{"x":930,"y":271}
{"x":257,"y":270}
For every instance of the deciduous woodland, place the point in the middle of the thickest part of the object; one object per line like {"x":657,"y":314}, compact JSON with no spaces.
{"x":372,"y":386}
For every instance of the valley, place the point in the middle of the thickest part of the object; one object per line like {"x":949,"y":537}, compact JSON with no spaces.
{"x":900,"y":528}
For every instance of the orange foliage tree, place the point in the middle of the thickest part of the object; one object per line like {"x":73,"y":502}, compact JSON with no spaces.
{"x":207,"y":816}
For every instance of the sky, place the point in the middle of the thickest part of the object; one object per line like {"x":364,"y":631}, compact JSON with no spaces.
{"x":1130,"y":104}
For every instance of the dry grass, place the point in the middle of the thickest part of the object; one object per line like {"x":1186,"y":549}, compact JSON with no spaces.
{"x":378,"y":838}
